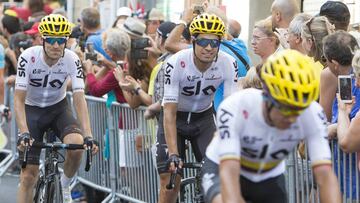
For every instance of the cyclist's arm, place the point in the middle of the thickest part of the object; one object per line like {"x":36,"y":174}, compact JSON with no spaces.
{"x":170,"y":127}
{"x":231,"y":77}
{"x":19,"y":105}
{"x":229,"y":175}
{"x":328,"y":184}
{"x":82,"y":112}
{"x":173,"y":43}
{"x":315,"y":129}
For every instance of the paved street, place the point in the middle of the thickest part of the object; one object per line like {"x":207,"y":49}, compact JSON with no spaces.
{"x":8,"y":188}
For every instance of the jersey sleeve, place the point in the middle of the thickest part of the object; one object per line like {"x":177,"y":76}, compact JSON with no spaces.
{"x":231,"y":76}
{"x":228,"y":126}
{"x":76,"y":73}
{"x":316,"y":135}
{"x":171,"y":81}
{"x":23,"y":71}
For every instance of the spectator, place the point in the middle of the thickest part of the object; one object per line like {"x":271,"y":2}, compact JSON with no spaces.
{"x":34,"y":33}
{"x":90,"y":26}
{"x":122,"y":14}
{"x":156,"y":84}
{"x":337,"y":13}
{"x":264,"y":41}
{"x":294,"y":32}
{"x":312,"y":34}
{"x":155,"y":18}
{"x":339,"y":51}
{"x":234,"y":28}
{"x":134,"y":27}
{"x":282,"y":13}
{"x":348,"y":131}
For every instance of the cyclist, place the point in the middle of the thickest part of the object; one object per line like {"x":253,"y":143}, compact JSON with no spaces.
{"x":40,"y":103}
{"x":191,"y":78}
{"x":257,"y":129}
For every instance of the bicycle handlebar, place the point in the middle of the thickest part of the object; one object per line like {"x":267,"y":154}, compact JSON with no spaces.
{"x":173,"y":174}
{"x":57,"y":146}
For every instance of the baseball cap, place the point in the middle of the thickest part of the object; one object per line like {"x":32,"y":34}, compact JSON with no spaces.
{"x":165,"y":28}
{"x":156,"y":14}
{"x":335,"y":11}
{"x":33,"y":30}
{"x":123,"y":11}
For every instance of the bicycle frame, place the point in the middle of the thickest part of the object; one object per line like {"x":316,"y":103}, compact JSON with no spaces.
{"x":48,"y":187}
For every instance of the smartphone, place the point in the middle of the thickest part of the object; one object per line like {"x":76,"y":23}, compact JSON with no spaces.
{"x":90,"y":47}
{"x":120,"y":64}
{"x":91,"y":54}
{"x":345,"y":88}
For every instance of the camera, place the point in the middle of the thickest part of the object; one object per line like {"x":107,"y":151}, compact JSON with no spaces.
{"x":137,"y":48}
{"x":345,"y":88}
{"x":91,"y":54}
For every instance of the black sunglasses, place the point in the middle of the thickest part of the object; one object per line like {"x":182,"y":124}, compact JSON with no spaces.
{"x":203,"y":42}
{"x":308,"y":25}
{"x":53,"y":40}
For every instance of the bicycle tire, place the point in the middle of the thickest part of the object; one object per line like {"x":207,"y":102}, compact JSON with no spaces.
{"x":40,"y":191}
{"x":54,"y":192}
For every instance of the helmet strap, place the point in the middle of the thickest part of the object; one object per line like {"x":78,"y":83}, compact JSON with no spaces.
{"x":48,"y":55}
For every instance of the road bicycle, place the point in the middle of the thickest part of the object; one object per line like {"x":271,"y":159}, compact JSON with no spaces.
{"x":190,"y":187}
{"x":48,"y":187}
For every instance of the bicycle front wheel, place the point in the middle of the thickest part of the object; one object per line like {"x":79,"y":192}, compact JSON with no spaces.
{"x":40,"y":191}
{"x":54,"y":193}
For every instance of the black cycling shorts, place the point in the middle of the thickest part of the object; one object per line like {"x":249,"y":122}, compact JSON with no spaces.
{"x":199,"y":131}
{"x":58,"y":117}
{"x":271,"y":190}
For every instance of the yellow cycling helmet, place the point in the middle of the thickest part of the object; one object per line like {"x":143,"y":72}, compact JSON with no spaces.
{"x":207,"y":24}
{"x":291,"y":78}
{"x":55,"y":25}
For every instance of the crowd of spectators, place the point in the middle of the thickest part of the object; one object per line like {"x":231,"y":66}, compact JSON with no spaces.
{"x":125,"y":62}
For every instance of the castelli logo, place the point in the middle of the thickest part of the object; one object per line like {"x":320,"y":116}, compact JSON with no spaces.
{"x":182,"y":63}
{"x":32,"y":59}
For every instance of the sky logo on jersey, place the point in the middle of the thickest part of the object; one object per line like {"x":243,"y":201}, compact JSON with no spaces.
{"x":21,"y":69}
{"x":43,"y":82}
{"x":223,"y":123}
{"x":168,"y":69}
{"x":196,"y":90}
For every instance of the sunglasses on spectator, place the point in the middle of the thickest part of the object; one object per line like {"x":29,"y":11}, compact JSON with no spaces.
{"x":203,"y":42}
{"x":53,"y":40}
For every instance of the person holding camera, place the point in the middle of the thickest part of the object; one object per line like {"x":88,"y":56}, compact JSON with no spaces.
{"x":141,"y":59}
{"x":90,"y":25}
{"x":191,"y":79}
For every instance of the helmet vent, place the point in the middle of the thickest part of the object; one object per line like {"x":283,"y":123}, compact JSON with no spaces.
{"x":292,"y":76}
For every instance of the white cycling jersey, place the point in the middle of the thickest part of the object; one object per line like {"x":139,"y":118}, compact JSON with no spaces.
{"x":46,"y":85}
{"x":243,"y":134}
{"x":193,"y":90}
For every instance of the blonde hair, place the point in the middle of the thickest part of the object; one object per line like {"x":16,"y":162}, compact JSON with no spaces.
{"x":316,"y":29}
{"x":252,"y":79}
{"x":266,"y":27}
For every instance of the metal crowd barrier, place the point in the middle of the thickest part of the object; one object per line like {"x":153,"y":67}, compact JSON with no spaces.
{"x":125,"y":170}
